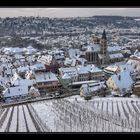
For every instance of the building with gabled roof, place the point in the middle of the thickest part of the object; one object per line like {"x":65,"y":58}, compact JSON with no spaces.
{"x":50,"y":63}
{"x":92,"y":89}
{"x":121,"y":83}
{"x":46,"y":82}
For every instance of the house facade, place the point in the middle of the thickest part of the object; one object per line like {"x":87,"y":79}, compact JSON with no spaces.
{"x":50,"y":63}
{"x":46,"y":82}
{"x":92,"y":89}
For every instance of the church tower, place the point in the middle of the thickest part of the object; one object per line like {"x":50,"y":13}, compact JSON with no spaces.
{"x":103,"y":50}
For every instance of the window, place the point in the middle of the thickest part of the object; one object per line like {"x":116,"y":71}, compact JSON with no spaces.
{"x":39,"y":83}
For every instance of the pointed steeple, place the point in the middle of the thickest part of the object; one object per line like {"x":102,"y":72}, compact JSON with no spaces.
{"x":104,"y":35}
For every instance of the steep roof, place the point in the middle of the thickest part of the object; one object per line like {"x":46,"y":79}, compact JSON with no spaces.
{"x":86,"y":69}
{"x":104,"y":35}
{"x":16,"y":91}
{"x":46,"y":77}
{"x":71,"y":71}
{"x":123,"y":81}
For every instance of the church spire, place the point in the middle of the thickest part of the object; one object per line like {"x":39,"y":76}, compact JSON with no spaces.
{"x":104,"y":35}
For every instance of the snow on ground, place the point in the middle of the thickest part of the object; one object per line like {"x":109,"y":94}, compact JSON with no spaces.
{"x":100,"y":106}
{"x":46,"y":114}
{"x":29,"y":120}
{"x":96,"y":105}
{"x":105,"y":106}
{"x":131,"y":107}
{"x":3,"y":128}
{"x":122,"y":114}
{"x":112,"y":102}
{"x":59,"y":119}
{"x":110,"y":110}
{"x":13,"y":119}
{"x":4,"y":110}
{"x":137,"y":107}
{"x":13,"y":125}
{"x":126,"y":108}
{"x":21,"y":122}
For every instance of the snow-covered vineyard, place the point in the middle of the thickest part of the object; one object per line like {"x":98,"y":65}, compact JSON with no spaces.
{"x":18,"y":119}
{"x":73,"y":114}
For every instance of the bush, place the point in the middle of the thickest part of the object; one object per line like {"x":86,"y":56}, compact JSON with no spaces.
{"x":87,"y":97}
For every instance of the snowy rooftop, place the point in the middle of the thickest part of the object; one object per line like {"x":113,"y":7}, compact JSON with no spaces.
{"x":37,"y":66}
{"x":73,"y":53}
{"x":19,"y":56}
{"x":114,"y":49}
{"x":112,"y":68}
{"x":92,"y":87}
{"x":45,"y":59}
{"x":22,"y":82}
{"x":86,"y":69}
{"x":121,"y":67}
{"x":124,"y":82}
{"x":84,"y":82}
{"x":16,"y":91}
{"x":16,"y":50}
{"x":68,"y":61}
{"x":93,"y":48}
{"x":127,"y":67}
{"x":116,"y":55}
{"x":70,"y":71}
{"x":135,"y":64}
{"x":46,"y":77}
{"x":23,"y":69}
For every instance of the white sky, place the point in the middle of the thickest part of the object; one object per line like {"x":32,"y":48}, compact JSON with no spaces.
{"x":68,"y":12}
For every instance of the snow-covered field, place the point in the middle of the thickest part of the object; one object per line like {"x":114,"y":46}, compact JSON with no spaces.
{"x":73,"y":114}
{"x":5,"y":123}
{"x":29,"y":120}
{"x":13,"y":125}
{"x":16,"y":119}
{"x":97,"y":115}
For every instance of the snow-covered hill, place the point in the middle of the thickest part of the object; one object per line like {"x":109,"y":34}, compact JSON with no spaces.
{"x":73,"y":114}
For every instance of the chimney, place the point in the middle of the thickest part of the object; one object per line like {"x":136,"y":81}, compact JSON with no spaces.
{"x":8,"y":90}
{"x":2,"y":73}
{"x":49,"y":75}
{"x":119,"y":77}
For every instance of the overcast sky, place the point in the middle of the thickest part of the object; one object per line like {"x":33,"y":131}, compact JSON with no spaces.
{"x":68,"y":12}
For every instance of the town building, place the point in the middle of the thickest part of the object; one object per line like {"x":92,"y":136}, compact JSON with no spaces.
{"x":97,"y":52}
{"x":50,"y":63}
{"x":80,"y":73}
{"x":136,"y":86}
{"x":46,"y":82}
{"x":120,"y":83}
{"x":92,"y":89}
{"x":33,"y":92}
{"x":115,"y":54}
{"x":89,"y":72}
{"x":68,"y":74}
{"x":100,"y":53}
{"x":17,"y":92}
{"x":117,"y":68}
